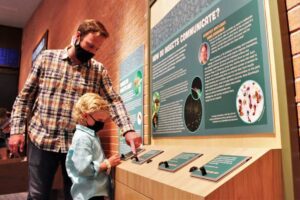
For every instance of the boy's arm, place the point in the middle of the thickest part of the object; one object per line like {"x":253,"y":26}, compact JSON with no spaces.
{"x":83,"y":158}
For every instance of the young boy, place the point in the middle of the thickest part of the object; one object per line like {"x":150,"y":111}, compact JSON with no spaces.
{"x":86,"y":163}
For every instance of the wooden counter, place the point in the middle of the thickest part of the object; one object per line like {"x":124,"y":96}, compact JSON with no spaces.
{"x":259,"y":178}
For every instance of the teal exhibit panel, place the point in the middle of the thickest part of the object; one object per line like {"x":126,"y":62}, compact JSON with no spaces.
{"x":219,"y":167}
{"x":178,"y":161}
{"x":146,"y":157}
{"x":210,"y":70}
{"x":130,"y":154}
{"x":131,"y":91}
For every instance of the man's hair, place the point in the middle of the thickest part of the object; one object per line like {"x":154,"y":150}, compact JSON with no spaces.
{"x":92,"y":26}
{"x":88,"y":103}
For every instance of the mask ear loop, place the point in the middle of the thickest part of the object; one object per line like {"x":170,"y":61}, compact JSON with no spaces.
{"x":77,"y":42}
{"x":103,"y":121}
{"x":93,"y":118}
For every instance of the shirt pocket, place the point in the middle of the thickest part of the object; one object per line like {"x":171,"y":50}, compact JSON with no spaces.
{"x":84,"y":85}
{"x":52,"y":80}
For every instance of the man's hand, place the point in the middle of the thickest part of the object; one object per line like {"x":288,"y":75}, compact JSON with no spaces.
{"x":15,"y":142}
{"x":133,"y":140}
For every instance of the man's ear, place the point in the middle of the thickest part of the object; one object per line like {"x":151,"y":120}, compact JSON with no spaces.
{"x":77,"y":37}
{"x":78,"y":34}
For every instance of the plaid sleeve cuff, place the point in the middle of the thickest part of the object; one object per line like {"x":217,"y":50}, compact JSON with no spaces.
{"x":17,"y":129}
{"x":126,"y":128}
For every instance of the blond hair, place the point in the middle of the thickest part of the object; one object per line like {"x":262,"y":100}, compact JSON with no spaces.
{"x":88,"y":103}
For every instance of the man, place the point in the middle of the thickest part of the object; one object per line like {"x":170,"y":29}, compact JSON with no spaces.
{"x":58,"y":78}
{"x":204,"y":53}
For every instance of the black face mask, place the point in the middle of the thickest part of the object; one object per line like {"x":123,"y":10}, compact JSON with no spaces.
{"x":81,"y":54}
{"x":98,"y":125}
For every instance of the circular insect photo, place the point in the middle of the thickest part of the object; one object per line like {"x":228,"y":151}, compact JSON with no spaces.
{"x":192,"y":113}
{"x":250,"y":102}
{"x":196,"y":89}
{"x":137,"y":83}
{"x":155,"y":120}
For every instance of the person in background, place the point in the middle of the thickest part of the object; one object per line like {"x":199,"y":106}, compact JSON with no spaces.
{"x":56,"y":81}
{"x":4,"y":133}
{"x":86,"y":163}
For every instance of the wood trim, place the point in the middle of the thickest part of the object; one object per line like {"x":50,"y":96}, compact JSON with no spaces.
{"x":291,"y":93}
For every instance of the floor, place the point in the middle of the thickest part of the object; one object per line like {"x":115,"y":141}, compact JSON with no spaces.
{"x":56,"y":195}
{"x":16,"y":196}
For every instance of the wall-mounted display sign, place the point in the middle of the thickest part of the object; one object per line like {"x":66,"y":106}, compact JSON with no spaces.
{"x":178,"y":161}
{"x":42,"y":45}
{"x":212,"y":76}
{"x":131,"y":91}
{"x":217,"y":168}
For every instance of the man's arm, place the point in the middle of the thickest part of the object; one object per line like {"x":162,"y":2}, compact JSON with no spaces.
{"x":22,"y":107}
{"x":119,"y":113}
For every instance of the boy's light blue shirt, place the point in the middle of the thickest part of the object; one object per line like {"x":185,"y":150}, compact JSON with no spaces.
{"x":83,"y":163}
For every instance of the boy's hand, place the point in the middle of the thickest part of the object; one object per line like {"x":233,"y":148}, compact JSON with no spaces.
{"x":114,"y":160}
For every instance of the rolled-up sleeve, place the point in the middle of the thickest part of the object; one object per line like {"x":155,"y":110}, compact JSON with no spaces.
{"x":26,"y":98}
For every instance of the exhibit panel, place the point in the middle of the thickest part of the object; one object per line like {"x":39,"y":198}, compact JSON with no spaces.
{"x":131,"y":92}
{"x":210,"y":74}
{"x":221,"y":128}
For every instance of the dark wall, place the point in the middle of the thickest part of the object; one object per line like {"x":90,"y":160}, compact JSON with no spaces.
{"x":8,"y":87}
{"x":10,"y":38}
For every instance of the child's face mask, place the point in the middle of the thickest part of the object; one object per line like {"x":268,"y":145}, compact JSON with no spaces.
{"x":98,"y":125}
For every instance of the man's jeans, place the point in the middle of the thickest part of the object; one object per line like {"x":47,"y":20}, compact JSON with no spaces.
{"x":42,"y":166}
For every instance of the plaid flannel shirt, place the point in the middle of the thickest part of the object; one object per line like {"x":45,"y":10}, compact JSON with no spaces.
{"x":49,"y":94}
